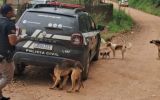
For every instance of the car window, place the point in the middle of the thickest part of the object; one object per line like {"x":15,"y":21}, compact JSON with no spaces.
{"x":83,"y":23}
{"x":86,"y":23}
{"x":92,"y":25}
{"x":50,"y":21}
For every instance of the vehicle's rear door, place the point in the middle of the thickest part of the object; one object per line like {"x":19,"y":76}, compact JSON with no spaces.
{"x":88,"y":29}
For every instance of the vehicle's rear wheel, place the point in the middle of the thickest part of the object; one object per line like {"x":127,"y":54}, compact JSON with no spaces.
{"x":95,"y":58}
{"x":19,"y":69}
{"x":86,"y":69}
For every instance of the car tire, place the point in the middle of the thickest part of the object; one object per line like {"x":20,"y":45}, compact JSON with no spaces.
{"x":95,"y":58}
{"x":86,"y":69}
{"x":19,"y":69}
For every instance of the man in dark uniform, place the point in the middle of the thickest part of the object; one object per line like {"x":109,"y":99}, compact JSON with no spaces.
{"x":8,"y":40}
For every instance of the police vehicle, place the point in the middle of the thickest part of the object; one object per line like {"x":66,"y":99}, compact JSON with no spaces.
{"x":54,"y":32}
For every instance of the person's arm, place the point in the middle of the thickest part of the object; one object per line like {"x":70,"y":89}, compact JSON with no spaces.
{"x":12,"y":39}
{"x":11,"y":32}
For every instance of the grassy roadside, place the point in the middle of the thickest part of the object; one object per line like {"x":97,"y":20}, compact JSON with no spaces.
{"x":146,"y":5}
{"x":121,"y":23}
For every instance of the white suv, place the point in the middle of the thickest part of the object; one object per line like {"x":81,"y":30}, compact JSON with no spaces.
{"x":123,"y":3}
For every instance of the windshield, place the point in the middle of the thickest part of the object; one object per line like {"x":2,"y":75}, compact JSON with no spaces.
{"x":50,"y":22}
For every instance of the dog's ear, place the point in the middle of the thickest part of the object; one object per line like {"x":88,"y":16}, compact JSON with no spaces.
{"x":108,"y":44}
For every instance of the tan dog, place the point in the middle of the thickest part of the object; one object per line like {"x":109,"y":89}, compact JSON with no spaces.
{"x":157,"y":43}
{"x":120,"y":47}
{"x":64,"y":69}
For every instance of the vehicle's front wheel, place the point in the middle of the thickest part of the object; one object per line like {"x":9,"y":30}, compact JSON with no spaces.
{"x":19,"y":69}
{"x":95,"y":58}
{"x":86,"y":69}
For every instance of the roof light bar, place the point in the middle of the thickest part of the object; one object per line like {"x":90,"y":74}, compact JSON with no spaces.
{"x":65,"y":5}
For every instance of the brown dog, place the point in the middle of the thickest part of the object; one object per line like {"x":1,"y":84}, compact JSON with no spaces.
{"x":157,"y":43}
{"x":120,"y":47}
{"x":64,"y":69}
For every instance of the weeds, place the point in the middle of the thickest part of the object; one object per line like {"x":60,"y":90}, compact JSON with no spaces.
{"x":121,"y":23}
{"x":150,"y":6}
{"x":99,"y":18}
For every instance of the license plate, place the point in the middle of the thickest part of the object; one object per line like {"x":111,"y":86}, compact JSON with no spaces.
{"x":43,"y":46}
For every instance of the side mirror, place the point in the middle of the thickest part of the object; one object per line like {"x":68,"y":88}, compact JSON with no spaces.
{"x":100,"y":27}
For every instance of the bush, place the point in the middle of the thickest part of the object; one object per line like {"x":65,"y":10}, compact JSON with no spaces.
{"x":103,"y":10}
{"x":121,"y":22}
{"x":150,"y":6}
{"x":99,"y":18}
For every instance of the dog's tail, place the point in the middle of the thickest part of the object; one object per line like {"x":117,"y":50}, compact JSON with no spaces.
{"x":129,"y":45}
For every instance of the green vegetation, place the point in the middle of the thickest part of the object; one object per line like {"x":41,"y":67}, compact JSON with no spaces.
{"x":150,"y":6}
{"x":121,"y":23}
{"x":70,"y":1}
{"x":99,"y":18}
{"x":1,"y":1}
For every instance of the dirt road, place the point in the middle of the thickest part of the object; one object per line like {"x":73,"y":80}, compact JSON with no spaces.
{"x":135,"y":78}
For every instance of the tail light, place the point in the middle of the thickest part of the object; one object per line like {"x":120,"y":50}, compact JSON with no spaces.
{"x":77,"y":39}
